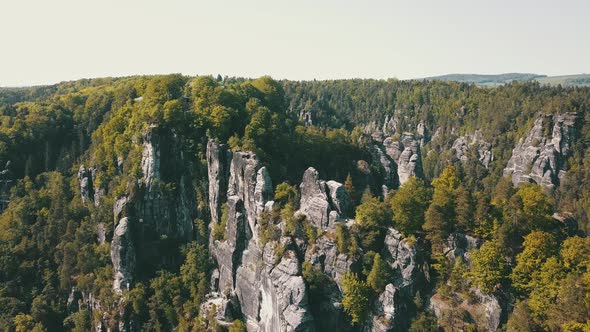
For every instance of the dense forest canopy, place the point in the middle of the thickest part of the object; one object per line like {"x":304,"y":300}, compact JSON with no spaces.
{"x":52,"y":137}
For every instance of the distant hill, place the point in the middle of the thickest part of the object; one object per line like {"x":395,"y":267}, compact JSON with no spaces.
{"x":567,"y":80}
{"x":500,"y":79}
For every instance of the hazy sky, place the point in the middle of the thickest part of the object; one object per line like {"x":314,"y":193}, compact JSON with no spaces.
{"x":50,"y":41}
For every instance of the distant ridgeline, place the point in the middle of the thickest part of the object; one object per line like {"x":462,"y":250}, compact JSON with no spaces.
{"x":229,"y":204}
{"x":500,"y":79}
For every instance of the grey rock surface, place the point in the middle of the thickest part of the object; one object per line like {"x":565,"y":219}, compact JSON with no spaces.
{"x":123,"y":256}
{"x":409,"y":162}
{"x":228,"y":253}
{"x":324,"y":253}
{"x":485,"y":310}
{"x":541,"y":156}
{"x":86,"y":177}
{"x":400,"y":159}
{"x":243,"y":178}
{"x":164,"y":214}
{"x":406,"y":260}
{"x":339,"y":198}
{"x":385,"y":310}
{"x":462,"y":146}
{"x":314,"y":199}
{"x":269,"y":290}
{"x":459,"y":245}
{"x":218,"y":157}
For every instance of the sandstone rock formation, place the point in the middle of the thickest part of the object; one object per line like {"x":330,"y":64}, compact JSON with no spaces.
{"x":319,"y":199}
{"x":85,"y":178}
{"x":123,"y":256}
{"x":541,"y":156}
{"x":406,"y":154}
{"x":163,"y":162}
{"x":218,"y":157}
{"x":150,"y":212}
{"x":459,"y":244}
{"x":463,"y":145}
{"x":265,"y":281}
{"x":485,"y":310}
{"x":400,"y":159}
{"x":389,"y":126}
{"x":410,"y":272}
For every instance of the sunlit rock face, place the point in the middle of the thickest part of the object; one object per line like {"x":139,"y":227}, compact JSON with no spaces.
{"x":263,"y":283}
{"x":541,"y":156}
{"x":323,"y":203}
{"x":473,"y":145}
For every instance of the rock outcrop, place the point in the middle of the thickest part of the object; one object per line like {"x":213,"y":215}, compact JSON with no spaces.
{"x":262,"y":282}
{"x":265,"y":279}
{"x":405,"y":258}
{"x":322,"y":203}
{"x":123,"y":256}
{"x":218,"y":157}
{"x":406,"y":154}
{"x":243,"y":177}
{"x":464,"y":145}
{"x":484,"y":310}
{"x":400,"y":159}
{"x":389,"y":126}
{"x":422,"y":133}
{"x":85,"y":178}
{"x":151,"y":212}
{"x":385,"y":310}
{"x":390,"y":177}
{"x":163,"y":162}
{"x":88,"y":192}
{"x":324,"y":254}
{"x":410,"y":272}
{"x":459,"y":245}
{"x":541,"y":156}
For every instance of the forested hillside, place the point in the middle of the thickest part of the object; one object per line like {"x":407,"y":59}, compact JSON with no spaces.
{"x":163,"y":203}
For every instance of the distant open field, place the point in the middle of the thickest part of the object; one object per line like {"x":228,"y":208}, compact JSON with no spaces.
{"x":500,"y":79}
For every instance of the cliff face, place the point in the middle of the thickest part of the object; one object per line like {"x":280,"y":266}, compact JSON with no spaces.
{"x":261,"y":281}
{"x":463,"y":145}
{"x":410,"y":273}
{"x":540,"y":157}
{"x":153,"y":211}
{"x":400,"y":159}
{"x":265,"y":281}
{"x":164,"y":211}
{"x":323,"y":203}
